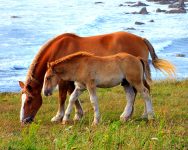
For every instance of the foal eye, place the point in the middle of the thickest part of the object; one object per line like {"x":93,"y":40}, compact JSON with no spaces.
{"x":48,"y":78}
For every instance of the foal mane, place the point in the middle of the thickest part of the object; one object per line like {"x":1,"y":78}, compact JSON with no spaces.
{"x":32,"y":68}
{"x":70,"y":57}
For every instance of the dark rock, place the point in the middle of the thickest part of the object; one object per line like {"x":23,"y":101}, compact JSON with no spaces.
{"x":179,"y":4}
{"x":99,"y":2}
{"x":180,"y":55}
{"x":176,"y":11}
{"x":15,"y":17}
{"x":139,"y":4}
{"x":164,"y":2}
{"x":139,"y":23}
{"x":130,"y":2}
{"x":130,"y":28}
{"x":143,"y":11}
{"x":120,"y":5}
{"x":151,"y":20}
{"x":160,"y":10}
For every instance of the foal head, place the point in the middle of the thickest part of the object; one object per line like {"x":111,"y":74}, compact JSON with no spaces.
{"x":51,"y":80}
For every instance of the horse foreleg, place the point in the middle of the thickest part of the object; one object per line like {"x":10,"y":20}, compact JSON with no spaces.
{"x":130,"y":96}
{"x":73,"y":97}
{"x":78,"y":108}
{"x":63,"y":88}
{"x":93,"y":98}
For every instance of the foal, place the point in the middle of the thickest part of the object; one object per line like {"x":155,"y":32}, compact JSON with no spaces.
{"x":89,"y":72}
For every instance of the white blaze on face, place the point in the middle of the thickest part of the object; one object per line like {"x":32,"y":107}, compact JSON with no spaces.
{"x":22,"y":107}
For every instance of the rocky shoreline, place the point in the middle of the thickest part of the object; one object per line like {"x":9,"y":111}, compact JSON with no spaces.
{"x":175,"y":6}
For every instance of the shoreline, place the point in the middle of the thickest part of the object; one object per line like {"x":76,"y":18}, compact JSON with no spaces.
{"x":159,"y":81}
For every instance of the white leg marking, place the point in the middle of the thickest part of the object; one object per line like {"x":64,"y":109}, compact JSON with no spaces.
{"x":58,"y":116}
{"x":148,"y":104}
{"x":73,"y":97}
{"x":130,"y":96}
{"x":22,"y":107}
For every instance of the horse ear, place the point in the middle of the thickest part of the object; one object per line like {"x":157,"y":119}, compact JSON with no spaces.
{"x":21,"y":84}
{"x":49,"y":65}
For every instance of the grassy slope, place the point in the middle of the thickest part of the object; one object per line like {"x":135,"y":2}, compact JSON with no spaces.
{"x":168,"y":131}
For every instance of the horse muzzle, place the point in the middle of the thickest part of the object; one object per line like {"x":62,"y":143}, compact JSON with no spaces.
{"x":47,"y":92}
{"x":27,"y":120}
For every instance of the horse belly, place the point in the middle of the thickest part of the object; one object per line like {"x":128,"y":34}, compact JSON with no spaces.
{"x":109,"y":81}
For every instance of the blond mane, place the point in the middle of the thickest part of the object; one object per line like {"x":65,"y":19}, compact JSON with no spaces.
{"x":41,"y":52}
{"x":71,"y":57}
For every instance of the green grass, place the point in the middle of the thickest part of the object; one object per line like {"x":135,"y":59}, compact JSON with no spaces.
{"x":168,"y":131}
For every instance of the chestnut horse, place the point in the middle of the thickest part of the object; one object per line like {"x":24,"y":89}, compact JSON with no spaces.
{"x":85,"y":69}
{"x":65,"y":44}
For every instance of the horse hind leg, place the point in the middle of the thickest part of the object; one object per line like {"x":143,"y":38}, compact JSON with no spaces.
{"x":130,"y":96}
{"x":148,"y":104}
{"x":145,"y":115}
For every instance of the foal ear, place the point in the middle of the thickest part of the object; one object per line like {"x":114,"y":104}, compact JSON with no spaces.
{"x":21,"y":84}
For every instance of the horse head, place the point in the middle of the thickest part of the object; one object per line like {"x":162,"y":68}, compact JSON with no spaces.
{"x":50,"y":80}
{"x":31,"y":100}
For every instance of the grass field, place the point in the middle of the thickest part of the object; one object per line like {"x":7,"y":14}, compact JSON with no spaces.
{"x":168,"y":131}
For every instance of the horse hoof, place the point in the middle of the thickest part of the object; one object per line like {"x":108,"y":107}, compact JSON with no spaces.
{"x":56,"y":119}
{"x":151,"y":116}
{"x":124,"y":119}
{"x":144,"y":116}
{"x":94,"y":123}
{"x":67,"y":122}
{"x":77,"y":117}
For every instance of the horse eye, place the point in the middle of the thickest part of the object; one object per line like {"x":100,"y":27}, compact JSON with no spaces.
{"x":48,"y":78}
{"x":29,"y":100}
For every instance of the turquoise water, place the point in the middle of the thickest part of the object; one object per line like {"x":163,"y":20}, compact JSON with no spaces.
{"x":26,"y":25}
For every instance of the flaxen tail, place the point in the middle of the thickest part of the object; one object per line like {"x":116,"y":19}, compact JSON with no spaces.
{"x":161,"y":64}
{"x":147,"y":72}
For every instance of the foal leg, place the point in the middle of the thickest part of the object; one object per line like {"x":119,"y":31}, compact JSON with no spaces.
{"x":130,"y":96}
{"x":93,"y":98}
{"x":73,"y":97}
{"x":63,"y":88}
{"x":78,"y":108}
{"x":148,"y":103}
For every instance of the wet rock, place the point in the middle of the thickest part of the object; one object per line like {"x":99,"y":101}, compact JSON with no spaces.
{"x":121,"y":5}
{"x":160,"y":1}
{"x":179,"y":4}
{"x":130,"y":2}
{"x":164,"y":2}
{"x":143,"y":11}
{"x":160,"y":10}
{"x":176,"y":11}
{"x":131,"y":28}
{"x":180,"y":55}
{"x":99,"y":2}
{"x":151,"y":20}
{"x":139,"y":4}
{"x":139,"y":23}
{"x":15,"y":17}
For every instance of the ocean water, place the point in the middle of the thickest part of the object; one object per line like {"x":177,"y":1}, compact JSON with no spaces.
{"x":26,"y":25}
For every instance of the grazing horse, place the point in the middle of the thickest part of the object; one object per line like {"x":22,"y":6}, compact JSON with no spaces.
{"x":65,"y":44}
{"x":85,"y":69}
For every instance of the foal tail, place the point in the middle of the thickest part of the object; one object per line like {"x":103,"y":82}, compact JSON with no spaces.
{"x":160,"y":64}
{"x":147,"y":72}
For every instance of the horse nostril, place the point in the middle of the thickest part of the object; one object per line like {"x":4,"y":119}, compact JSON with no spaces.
{"x":47,"y":93}
{"x":27,"y":120}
